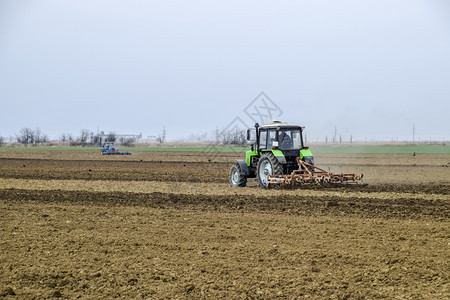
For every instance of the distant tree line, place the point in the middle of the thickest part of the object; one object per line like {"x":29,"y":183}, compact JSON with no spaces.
{"x":28,"y":136}
{"x":89,"y":138}
{"x":234,"y":136}
{"x":86,"y":138}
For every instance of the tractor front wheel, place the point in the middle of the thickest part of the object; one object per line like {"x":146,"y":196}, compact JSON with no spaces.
{"x":268,"y":164}
{"x":237,"y":177}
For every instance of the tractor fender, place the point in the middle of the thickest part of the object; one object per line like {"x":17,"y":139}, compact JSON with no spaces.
{"x":243,"y":166}
{"x":281,"y":159}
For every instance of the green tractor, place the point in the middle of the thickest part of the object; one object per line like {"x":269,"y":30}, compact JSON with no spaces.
{"x":279,"y":157}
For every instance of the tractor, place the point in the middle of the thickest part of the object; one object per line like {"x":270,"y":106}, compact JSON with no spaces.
{"x":109,"y":149}
{"x":279,"y":157}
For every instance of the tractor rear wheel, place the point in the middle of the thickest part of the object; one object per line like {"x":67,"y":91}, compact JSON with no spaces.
{"x":237,"y":177}
{"x":268,"y":164}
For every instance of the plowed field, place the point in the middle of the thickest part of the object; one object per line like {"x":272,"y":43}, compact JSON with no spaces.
{"x":75,"y":224}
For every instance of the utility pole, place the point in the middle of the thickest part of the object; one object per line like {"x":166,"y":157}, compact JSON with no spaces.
{"x":217,"y":134}
{"x":335,"y":134}
{"x":163,"y":138}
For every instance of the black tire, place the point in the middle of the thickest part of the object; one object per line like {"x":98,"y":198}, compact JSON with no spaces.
{"x":237,"y":177}
{"x":268,"y":164}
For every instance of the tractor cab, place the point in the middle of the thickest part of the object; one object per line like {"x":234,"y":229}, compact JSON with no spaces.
{"x":283,"y":140}
{"x":279,"y":136}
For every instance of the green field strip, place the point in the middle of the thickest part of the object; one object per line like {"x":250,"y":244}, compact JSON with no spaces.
{"x":381,"y":149}
{"x":48,"y":148}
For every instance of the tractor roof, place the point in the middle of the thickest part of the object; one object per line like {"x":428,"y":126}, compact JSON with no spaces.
{"x":278,"y":124}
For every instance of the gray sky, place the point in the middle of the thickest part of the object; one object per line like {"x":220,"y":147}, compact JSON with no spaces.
{"x":371,"y":68}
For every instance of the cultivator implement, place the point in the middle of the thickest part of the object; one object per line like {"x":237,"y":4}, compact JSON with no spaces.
{"x":116,"y":153}
{"x":308,"y":174}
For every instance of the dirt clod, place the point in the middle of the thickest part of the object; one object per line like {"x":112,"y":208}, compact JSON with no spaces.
{"x":8,"y":292}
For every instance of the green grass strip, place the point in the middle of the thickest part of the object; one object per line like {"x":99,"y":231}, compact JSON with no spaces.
{"x":383,"y":149}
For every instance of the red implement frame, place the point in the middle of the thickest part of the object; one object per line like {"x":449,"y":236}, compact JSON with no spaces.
{"x":318,"y":176}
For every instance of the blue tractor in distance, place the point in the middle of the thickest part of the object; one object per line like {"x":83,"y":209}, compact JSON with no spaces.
{"x":108,"y":149}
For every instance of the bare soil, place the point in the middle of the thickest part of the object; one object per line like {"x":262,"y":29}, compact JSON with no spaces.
{"x":75,"y":224}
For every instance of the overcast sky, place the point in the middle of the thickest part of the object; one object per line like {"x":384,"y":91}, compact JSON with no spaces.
{"x":371,"y":68}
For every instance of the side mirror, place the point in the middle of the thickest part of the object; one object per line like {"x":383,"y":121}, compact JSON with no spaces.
{"x":248,"y":134}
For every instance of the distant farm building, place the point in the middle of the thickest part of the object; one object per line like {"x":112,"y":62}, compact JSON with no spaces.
{"x":149,"y":139}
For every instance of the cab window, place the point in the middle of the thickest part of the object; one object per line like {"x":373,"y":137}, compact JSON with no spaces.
{"x":272,"y":137}
{"x":263,"y":139}
{"x":290,"y":139}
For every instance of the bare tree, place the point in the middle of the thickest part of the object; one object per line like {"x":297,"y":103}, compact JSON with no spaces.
{"x":45,"y":138}
{"x":63,"y":137}
{"x":39,"y":137}
{"x":37,"y":134}
{"x":25,"y":136}
{"x":162,"y":137}
{"x":84,"y":135}
{"x":2,"y":141}
{"x":95,"y":139}
{"x":30,"y":136}
{"x":111,"y":137}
